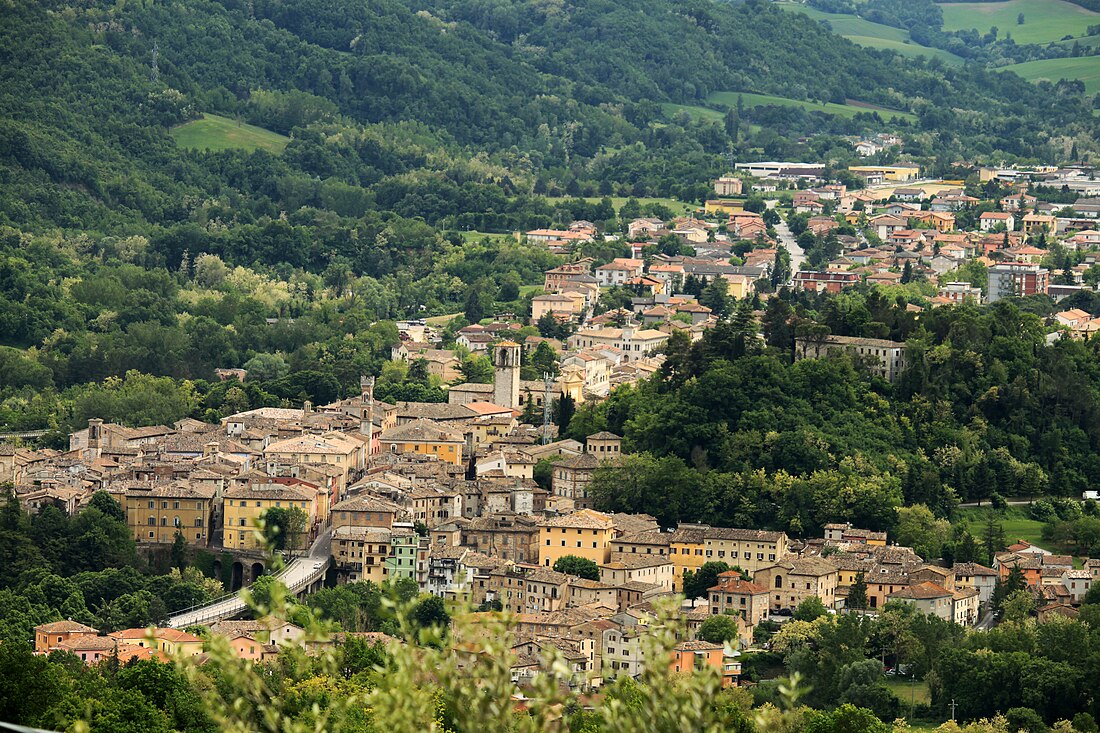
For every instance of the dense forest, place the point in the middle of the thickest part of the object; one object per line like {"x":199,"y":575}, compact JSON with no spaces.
{"x":735,"y":433}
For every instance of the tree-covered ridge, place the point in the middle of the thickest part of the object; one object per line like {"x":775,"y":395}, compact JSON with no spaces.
{"x":734,"y":433}
{"x":450,"y":113}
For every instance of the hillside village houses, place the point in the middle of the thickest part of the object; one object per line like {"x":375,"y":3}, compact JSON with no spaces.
{"x":444,"y":494}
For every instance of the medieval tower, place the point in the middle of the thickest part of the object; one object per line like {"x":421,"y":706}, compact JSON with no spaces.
{"x":506,"y":361}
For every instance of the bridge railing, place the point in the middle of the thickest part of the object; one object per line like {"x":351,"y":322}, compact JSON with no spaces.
{"x":237,"y":595}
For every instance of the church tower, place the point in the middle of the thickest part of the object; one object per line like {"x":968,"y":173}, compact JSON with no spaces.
{"x":506,"y":361}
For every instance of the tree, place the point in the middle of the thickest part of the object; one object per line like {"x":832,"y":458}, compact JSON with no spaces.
{"x":430,"y":612}
{"x":810,"y":609}
{"x":105,"y":503}
{"x":716,"y":297}
{"x":477,"y":368}
{"x":993,"y":538}
{"x":1018,"y":605}
{"x":857,"y":593}
{"x":581,"y":567}
{"x":284,"y":528}
{"x":719,"y":629}
{"x":698,"y":582}
{"x":918,"y":527}
{"x":266,"y":368}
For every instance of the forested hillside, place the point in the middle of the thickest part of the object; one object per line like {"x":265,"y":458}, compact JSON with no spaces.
{"x":434,"y":110}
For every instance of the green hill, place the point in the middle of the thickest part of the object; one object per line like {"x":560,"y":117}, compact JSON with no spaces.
{"x":1044,"y":20}
{"x":1084,"y":68}
{"x":442,"y":111}
{"x":214,"y":132}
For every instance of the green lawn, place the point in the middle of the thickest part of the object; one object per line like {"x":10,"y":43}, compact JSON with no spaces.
{"x":1085,"y":68}
{"x":699,"y":113}
{"x":475,"y":236}
{"x":1044,"y":20}
{"x":1014,"y":520}
{"x":213,"y":132}
{"x":750,"y":99}
{"x":909,"y":691}
{"x":872,"y":35}
{"x":677,"y":207}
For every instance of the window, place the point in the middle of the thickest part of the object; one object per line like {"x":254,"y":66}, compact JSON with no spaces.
{"x":152,"y":521}
{"x":152,"y":504}
{"x":175,"y":505}
{"x":164,"y":521}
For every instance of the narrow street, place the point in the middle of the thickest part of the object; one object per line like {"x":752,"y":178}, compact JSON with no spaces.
{"x":798,"y":256}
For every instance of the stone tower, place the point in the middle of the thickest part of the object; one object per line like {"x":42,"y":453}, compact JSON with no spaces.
{"x":506,"y":362}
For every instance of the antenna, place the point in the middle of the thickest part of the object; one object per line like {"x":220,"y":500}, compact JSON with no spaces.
{"x":547,"y":385}
{"x":156,"y":58}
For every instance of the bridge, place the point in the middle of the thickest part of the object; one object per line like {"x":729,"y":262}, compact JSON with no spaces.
{"x":303,"y":575}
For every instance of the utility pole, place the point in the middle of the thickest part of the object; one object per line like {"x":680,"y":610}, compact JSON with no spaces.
{"x":952,"y":710}
{"x":156,"y":59}
{"x":547,"y":384}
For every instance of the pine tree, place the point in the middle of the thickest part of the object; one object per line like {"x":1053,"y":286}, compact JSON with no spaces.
{"x":857,"y":593}
{"x":993,"y":538}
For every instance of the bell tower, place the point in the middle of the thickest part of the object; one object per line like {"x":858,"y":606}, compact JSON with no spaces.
{"x":506,"y":362}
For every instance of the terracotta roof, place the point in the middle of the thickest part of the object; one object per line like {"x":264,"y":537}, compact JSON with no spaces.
{"x":421,"y":430}
{"x":584,"y":519}
{"x":61,"y":627}
{"x":731,"y":582}
{"x":922,"y":591}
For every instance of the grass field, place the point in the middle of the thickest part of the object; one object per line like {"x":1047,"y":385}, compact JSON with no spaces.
{"x":213,"y":132}
{"x":908,"y":691}
{"x":872,"y":35}
{"x":729,"y":99}
{"x":1085,"y":68}
{"x":1044,"y":20}
{"x":699,"y":113}
{"x":1014,"y":520}
{"x":475,"y":236}
{"x":677,"y":207}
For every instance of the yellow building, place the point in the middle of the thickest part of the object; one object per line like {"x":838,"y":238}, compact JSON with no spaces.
{"x":889,"y":172}
{"x":334,"y":449}
{"x":155,"y":514}
{"x":360,"y":552}
{"x":426,"y":438}
{"x":740,"y":286}
{"x":244,"y":505}
{"x":586,"y":533}
{"x":723,"y":206}
{"x":750,"y":549}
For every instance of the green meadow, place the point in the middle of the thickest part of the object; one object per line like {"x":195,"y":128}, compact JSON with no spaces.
{"x":1085,"y":68}
{"x":214,"y":132}
{"x":729,"y":99}
{"x":1044,"y":20}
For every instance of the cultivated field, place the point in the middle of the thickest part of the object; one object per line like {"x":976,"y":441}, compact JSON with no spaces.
{"x":872,"y":35}
{"x":1044,"y":20}
{"x":1085,"y":68}
{"x":729,"y":99}
{"x":213,"y":132}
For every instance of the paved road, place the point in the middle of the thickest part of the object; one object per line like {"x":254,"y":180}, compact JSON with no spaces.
{"x":798,"y":255}
{"x":987,"y":622}
{"x":300,"y":573}
{"x":1014,"y":502}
